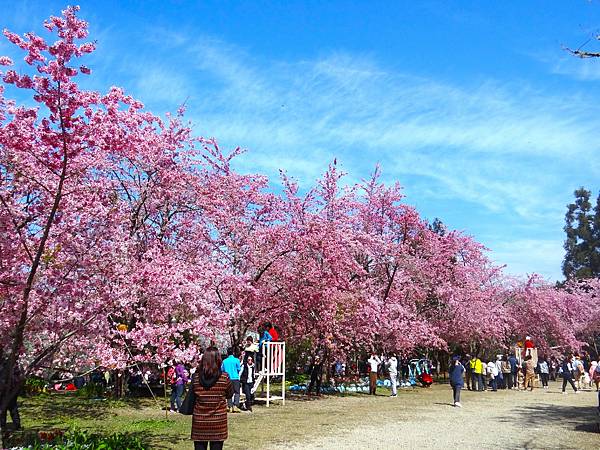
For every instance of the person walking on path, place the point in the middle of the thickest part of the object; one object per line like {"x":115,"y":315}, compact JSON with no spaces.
{"x":212,"y":388}
{"x":392,"y":367}
{"x":544,"y":371}
{"x":231,"y":365}
{"x":247,"y":375}
{"x":567,"y":374}
{"x":456,"y":379}
{"x":374,"y":362}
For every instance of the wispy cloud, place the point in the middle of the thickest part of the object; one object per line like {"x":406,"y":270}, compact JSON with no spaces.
{"x":543,"y":255}
{"x":484,"y":144}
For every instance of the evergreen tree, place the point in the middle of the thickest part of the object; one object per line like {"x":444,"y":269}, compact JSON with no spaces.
{"x":437,"y":226}
{"x":595,"y":258}
{"x":582,"y":258}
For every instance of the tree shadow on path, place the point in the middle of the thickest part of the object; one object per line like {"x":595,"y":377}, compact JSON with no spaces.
{"x":577,"y":418}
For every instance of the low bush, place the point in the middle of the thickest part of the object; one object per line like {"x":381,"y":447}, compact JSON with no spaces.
{"x":79,"y":440}
{"x":91,"y":390}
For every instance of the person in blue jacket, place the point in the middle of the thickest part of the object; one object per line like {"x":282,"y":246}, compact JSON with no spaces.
{"x":456,"y":372}
{"x":263,"y":332}
{"x":231,"y":365}
{"x":512,"y":379}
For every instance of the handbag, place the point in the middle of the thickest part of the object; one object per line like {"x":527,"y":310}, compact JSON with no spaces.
{"x":187,"y":407}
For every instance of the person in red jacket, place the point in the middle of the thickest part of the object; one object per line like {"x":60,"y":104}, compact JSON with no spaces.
{"x":529,"y":343}
{"x":272,"y":331}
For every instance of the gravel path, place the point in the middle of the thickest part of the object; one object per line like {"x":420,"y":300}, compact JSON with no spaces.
{"x":425,"y":418}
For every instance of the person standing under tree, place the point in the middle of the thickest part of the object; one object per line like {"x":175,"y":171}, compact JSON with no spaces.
{"x":177,"y":377}
{"x":468,"y":370}
{"x":456,"y":372}
{"x":392,"y":367}
{"x":595,"y":373}
{"x":247,"y":375}
{"x":264,"y":336}
{"x":478,"y":380}
{"x":514,"y":372}
{"x":544,"y":370}
{"x":316,"y":375}
{"x":492,"y":372}
{"x":506,"y":373}
{"x":212,"y":388}
{"x":232,"y":367}
{"x":374,"y":362}
{"x":529,"y":373}
{"x":251,"y":349}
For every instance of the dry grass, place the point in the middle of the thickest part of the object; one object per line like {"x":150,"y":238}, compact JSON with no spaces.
{"x":420,"y":418}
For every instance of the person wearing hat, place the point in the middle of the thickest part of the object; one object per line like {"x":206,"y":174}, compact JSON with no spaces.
{"x":456,"y":372}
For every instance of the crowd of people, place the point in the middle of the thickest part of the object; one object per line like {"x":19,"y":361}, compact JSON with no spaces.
{"x":507,"y":372}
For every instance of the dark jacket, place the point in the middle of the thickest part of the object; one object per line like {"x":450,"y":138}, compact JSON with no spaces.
{"x":246,"y":371}
{"x":456,"y":374}
{"x":566,"y":370}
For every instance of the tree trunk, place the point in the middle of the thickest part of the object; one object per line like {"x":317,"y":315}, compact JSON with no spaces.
{"x":7,"y":394}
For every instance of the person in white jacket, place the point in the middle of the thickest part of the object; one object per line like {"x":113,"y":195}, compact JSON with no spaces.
{"x":374,"y":362}
{"x":500,"y":377}
{"x":492,"y":372}
{"x":392,"y":367}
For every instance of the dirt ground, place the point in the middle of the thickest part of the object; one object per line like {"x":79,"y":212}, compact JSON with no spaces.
{"x":425,"y":418}
{"x":416,"y":419}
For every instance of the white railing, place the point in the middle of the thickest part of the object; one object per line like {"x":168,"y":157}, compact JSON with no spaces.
{"x":273,"y":365}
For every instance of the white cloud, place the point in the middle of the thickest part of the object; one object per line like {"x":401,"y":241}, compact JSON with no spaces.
{"x":525,"y":256}
{"x":484,"y":144}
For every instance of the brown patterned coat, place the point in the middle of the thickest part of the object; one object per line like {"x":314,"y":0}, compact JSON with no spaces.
{"x":209,"y":421}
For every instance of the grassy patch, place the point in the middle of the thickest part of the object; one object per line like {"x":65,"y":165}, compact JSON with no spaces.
{"x":301,"y":416}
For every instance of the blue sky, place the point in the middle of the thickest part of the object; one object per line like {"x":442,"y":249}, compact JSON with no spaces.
{"x":473,"y":106}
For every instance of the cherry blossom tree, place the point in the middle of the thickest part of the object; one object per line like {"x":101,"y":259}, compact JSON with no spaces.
{"x":100,"y":205}
{"x":125,"y":238}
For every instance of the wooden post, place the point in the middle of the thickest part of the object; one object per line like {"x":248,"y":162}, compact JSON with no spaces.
{"x":165,"y":390}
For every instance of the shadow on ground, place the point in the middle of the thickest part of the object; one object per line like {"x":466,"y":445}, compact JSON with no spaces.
{"x":578,"y":418}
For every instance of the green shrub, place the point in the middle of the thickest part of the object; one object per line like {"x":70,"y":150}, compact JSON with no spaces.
{"x":91,"y":390}
{"x":298,"y":379}
{"x":35,"y":385}
{"x":82,"y":440}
